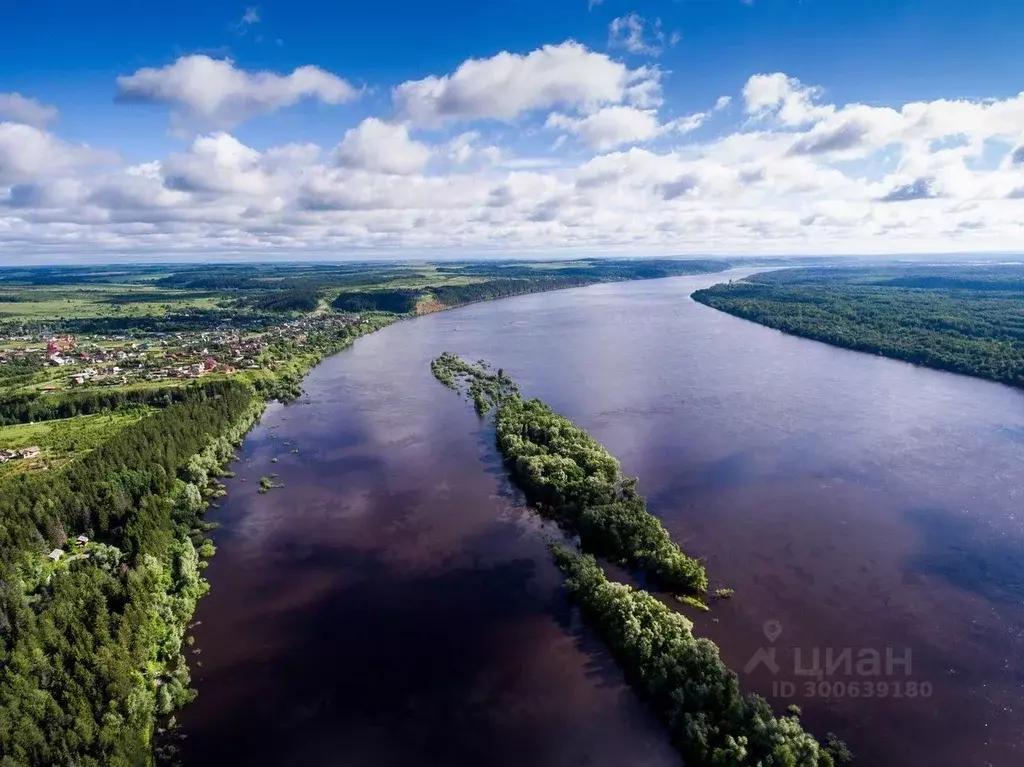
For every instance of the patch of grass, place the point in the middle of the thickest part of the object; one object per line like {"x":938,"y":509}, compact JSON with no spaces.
{"x":267,"y":484}
{"x":33,"y":303}
{"x":693,"y":602}
{"x":64,"y":439}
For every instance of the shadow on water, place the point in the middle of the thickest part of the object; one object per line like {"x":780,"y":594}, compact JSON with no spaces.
{"x":398,"y":668}
{"x":394,"y":606}
{"x":377,"y":662}
{"x":1015,"y":435}
{"x":962,"y":552}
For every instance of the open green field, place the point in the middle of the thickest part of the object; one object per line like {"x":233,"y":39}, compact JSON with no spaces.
{"x":64,"y":439}
{"x":71,"y":302}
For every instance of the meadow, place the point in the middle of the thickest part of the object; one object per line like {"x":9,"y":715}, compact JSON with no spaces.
{"x":64,"y":438}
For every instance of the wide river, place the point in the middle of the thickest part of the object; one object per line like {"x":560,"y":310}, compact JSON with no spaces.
{"x":393,"y":604}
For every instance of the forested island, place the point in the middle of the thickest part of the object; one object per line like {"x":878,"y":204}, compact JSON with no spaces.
{"x":123,"y":393}
{"x":963,"y":319}
{"x":575,"y":480}
{"x":569,"y":477}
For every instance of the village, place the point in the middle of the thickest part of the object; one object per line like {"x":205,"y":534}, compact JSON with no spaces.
{"x":68,"y":361}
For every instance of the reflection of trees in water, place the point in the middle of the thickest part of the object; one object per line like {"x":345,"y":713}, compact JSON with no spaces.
{"x":449,"y":664}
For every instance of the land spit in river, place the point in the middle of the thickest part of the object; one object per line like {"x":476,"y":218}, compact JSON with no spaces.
{"x":393,"y":603}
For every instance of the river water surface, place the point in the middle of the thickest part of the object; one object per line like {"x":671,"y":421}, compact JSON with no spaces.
{"x":393,"y":603}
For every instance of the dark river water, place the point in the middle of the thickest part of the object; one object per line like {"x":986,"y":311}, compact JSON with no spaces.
{"x":393,"y":603}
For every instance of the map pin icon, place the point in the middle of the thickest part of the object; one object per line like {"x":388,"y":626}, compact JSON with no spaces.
{"x":772,"y":630}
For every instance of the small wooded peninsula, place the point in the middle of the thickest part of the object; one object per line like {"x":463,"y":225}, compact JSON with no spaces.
{"x":569,"y":477}
{"x":962,"y":319}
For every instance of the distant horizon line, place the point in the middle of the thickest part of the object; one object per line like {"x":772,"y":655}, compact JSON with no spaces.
{"x":240,"y":260}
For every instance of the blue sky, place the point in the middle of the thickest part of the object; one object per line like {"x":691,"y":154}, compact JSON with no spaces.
{"x":850,"y":56}
{"x":876,"y":51}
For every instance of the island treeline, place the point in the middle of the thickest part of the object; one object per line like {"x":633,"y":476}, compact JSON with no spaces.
{"x":961,"y":319}
{"x":574,"y":479}
{"x":570,"y":477}
{"x":565,"y":471}
{"x":91,"y":644}
{"x":694,"y":694}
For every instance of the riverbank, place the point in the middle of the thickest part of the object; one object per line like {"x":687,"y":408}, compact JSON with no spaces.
{"x":113,"y":618}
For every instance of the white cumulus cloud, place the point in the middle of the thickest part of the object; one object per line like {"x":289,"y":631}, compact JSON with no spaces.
{"x":611,"y":126}
{"x":383,"y":147}
{"x":21,"y":109}
{"x":216,"y":92}
{"x":798,"y":174}
{"x":784,"y":98}
{"x":28,"y":153}
{"x":617,"y":125}
{"x":219,"y":164}
{"x":508,"y":85}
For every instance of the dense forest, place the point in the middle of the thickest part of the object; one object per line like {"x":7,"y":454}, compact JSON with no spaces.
{"x":452,"y":295}
{"x":91,"y":645}
{"x":406,"y":300}
{"x":39,"y":406}
{"x":962,"y":319}
{"x":178,"y":321}
{"x":568,"y":476}
{"x":397,"y":300}
{"x":291,"y":300}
